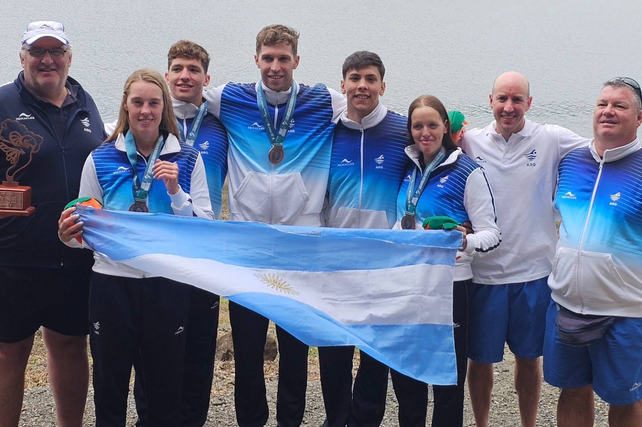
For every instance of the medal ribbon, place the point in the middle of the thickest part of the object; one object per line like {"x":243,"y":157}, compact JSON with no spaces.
{"x":411,"y":201}
{"x":196,"y":124}
{"x":141,"y":189}
{"x":276,"y":139}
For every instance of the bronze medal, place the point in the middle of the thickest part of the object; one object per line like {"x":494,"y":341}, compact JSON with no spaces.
{"x":276,"y":154}
{"x":138,"y":207}
{"x":408,"y":222}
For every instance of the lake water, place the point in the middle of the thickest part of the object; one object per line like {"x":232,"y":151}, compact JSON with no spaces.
{"x":452,"y":49}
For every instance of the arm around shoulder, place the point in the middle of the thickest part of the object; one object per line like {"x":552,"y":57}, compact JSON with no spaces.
{"x":213,"y":98}
{"x":568,"y":141}
{"x":339,"y":104}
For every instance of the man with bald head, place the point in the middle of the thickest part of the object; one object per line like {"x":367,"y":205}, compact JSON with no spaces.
{"x":597,"y":278}
{"x":510,"y":294}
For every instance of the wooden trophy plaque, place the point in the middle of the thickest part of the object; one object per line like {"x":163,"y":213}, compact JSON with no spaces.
{"x":15,"y":199}
{"x":19,"y":145}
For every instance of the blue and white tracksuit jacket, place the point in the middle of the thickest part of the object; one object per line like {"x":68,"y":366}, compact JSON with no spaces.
{"x":598,"y":265}
{"x":457,"y":188}
{"x":211,"y":143}
{"x":107,"y":176}
{"x":367,"y":166}
{"x":292,"y":192}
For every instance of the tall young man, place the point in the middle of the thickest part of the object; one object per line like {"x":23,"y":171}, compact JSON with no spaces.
{"x":366,"y":170}
{"x":280,"y":136}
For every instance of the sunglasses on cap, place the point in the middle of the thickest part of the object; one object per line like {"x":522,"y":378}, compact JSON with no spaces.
{"x":630,"y":83}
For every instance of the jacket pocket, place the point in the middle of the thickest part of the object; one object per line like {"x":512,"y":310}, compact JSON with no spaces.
{"x":563,"y":279}
{"x":290,"y":197}
{"x":364,"y":218}
{"x":600,"y":281}
{"x":345,"y":218}
{"x":373,"y":219}
{"x":274,"y":199}
{"x":252,"y":198}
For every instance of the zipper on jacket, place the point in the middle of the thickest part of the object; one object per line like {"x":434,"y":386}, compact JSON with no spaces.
{"x":271,"y":194}
{"x":63,"y":156}
{"x":361,"y":179}
{"x":581,"y":246}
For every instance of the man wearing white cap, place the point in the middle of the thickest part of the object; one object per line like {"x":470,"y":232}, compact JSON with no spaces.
{"x":48,"y":117}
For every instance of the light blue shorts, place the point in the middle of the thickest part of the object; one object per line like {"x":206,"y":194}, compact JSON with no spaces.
{"x":613,"y":364}
{"x":513,"y":313}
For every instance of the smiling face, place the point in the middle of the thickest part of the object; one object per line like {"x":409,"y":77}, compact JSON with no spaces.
{"x":427,"y":129}
{"x":277,"y":64}
{"x":144,"y":107}
{"x":510,"y":101}
{"x":616,"y":118}
{"x":46,"y":76}
{"x":362,"y":88}
{"x":186,"y":78}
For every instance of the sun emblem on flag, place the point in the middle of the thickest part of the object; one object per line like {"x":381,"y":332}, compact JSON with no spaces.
{"x":277,"y":283}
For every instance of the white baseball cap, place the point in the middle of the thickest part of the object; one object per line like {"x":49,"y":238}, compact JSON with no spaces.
{"x":39,"y":29}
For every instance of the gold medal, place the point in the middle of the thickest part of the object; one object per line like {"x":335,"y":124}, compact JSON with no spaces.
{"x":408,"y":222}
{"x":276,"y":154}
{"x":138,"y":207}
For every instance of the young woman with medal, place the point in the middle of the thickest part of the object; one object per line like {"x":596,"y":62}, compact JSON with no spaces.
{"x":443,"y":181}
{"x":142,"y":167}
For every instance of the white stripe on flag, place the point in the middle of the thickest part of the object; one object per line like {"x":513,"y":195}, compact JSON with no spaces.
{"x":355,"y":297}
{"x":388,"y":292}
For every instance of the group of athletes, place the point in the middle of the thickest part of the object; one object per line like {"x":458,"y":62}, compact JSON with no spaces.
{"x":308,"y":155}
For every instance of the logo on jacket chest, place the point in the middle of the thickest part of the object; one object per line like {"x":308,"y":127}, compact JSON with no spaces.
{"x":531,"y":156}
{"x":345,"y":162}
{"x":204,"y":147}
{"x":25,"y":116}
{"x":379,"y":161}
{"x":259,"y":126}
{"x":443,"y":180}
{"x":86,"y":124}
{"x":614,"y":198}
{"x":256,"y":126}
{"x":569,"y":195}
{"x":121,"y":170}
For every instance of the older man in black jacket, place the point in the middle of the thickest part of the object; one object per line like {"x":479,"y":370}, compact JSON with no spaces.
{"x":48,"y":117}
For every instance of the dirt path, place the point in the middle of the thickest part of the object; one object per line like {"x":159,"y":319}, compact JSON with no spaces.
{"x":38,"y":408}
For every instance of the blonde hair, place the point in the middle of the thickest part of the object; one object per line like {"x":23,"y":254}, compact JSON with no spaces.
{"x":168,"y":120}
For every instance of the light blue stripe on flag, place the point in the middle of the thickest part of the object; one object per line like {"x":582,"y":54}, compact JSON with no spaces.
{"x":389,"y":292}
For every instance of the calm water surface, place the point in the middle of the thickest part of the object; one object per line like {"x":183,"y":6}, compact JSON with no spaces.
{"x":450,"y":49}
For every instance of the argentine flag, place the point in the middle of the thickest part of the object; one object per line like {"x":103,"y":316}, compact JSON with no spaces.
{"x":388,"y":292}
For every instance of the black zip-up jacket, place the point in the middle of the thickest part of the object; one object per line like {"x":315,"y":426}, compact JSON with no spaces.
{"x":53,"y":175}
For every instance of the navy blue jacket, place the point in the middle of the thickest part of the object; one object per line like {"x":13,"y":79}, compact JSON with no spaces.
{"x":53,"y":175}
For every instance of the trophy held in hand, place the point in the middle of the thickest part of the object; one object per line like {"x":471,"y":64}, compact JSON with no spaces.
{"x":19,"y":145}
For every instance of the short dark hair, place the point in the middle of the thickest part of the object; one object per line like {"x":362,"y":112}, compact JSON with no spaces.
{"x":277,"y":33}
{"x":189,"y":50}
{"x":434,"y":102}
{"x":362,"y":59}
